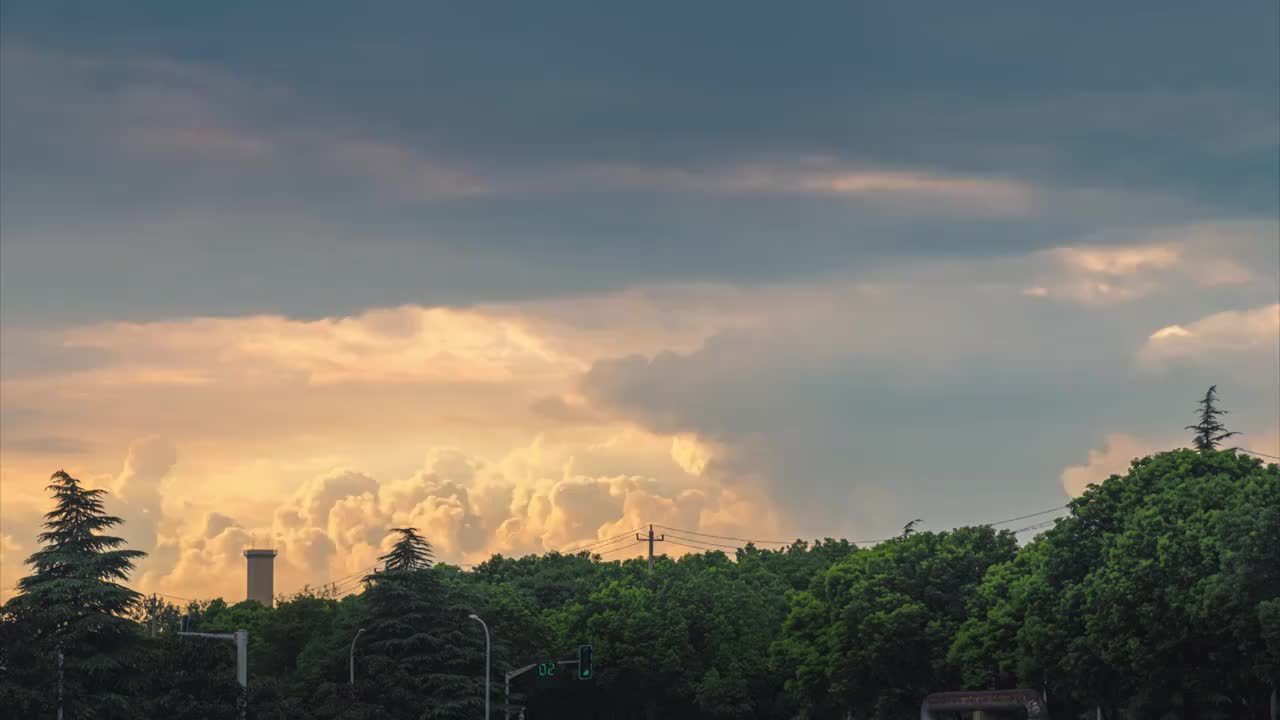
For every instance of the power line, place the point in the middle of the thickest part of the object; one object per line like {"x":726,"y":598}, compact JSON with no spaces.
{"x":348,"y":585}
{"x":726,"y":537}
{"x":707,"y":542}
{"x":1254,"y":452}
{"x":596,"y":543}
{"x":618,"y":549}
{"x":754,"y":541}
{"x":698,"y":546}
{"x":597,"y":546}
{"x":1037,"y":526}
{"x":331,"y":583}
{"x":1031,"y":515}
{"x":854,"y":542}
{"x":599,"y":543}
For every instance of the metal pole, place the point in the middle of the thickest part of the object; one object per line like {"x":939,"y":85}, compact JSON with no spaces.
{"x":242,"y":657}
{"x":513,"y":674}
{"x":242,"y":670}
{"x":486,"y":663}
{"x":353,"y":656}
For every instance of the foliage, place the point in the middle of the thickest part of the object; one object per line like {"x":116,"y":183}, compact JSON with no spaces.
{"x":875,"y":631}
{"x":1158,"y":594}
{"x":74,"y":605}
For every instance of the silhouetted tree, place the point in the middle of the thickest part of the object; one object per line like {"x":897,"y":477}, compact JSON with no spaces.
{"x":411,"y":552}
{"x":74,"y":604}
{"x":909,"y":528}
{"x":1209,"y":431}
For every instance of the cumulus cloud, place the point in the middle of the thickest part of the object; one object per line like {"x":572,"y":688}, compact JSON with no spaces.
{"x":1112,"y":459}
{"x":691,"y":453}
{"x":833,"y":407}
{"x":1231,"y":336}
{"x":534,"y":499}
{"x":137,"y":491}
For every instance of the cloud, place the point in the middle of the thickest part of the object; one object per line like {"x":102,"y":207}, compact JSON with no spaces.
{"x":13,"y":555}
{"x":394,"y":345}
{"x":190,"y":113}
{"x":1120,"y":449}
{"x":337,"y":524}
{"x":824,"y":177}
{"x":1155,"y":261}
{"x":691,"y":453}
{"x":137,"y":492}
{"x":284,"y":190}
{"x":1120,"y":260}
{"x":832,"y":407}
{"x":1112,"y":459}
{"x":1252,"y":336}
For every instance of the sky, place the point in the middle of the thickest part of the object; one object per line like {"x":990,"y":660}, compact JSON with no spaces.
{"x":530,"y":275}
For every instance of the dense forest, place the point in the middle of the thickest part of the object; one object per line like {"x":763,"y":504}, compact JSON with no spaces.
{"x":1156,"y":596}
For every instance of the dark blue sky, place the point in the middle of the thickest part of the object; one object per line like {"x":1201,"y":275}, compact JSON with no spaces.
{"x":1173,"y":104}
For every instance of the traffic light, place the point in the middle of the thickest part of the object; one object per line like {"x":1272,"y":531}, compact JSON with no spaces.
{"x":584,"y":662}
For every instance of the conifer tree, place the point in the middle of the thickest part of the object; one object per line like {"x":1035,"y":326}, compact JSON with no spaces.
{"x":1210,"y":431}
{"x":410,"y":552}
{"x":74,"y":603}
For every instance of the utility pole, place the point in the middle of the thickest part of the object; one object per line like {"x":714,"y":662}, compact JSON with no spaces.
{"x":154,"y":607}
{"x":652,"y":540}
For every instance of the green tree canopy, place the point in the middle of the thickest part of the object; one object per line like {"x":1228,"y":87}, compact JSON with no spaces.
{"x":875,"y":630}
{"x":1157,"y":593}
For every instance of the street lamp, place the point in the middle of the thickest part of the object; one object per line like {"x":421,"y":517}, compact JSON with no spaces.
{"x":475,"y":617}
{"x":353,"y":656}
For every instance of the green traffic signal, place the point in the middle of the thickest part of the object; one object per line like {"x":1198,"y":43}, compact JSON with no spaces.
{"x":584,"y":662}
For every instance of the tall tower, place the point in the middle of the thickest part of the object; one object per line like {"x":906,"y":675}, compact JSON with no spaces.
{"x":261,"y":576}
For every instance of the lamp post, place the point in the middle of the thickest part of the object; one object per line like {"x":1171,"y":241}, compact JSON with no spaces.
{"x":486,"y":663}
{"x":353,"y":656}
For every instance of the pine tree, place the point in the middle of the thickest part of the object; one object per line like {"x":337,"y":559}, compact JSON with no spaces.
{"x":1209,"y":431}
{"x":909,"y":529}
{"x":418,"y":632}
{"x":410,"y":552}
{"x":73,"y":603}
{"x":401,"y":597}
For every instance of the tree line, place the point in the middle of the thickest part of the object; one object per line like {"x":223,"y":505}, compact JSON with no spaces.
{"x":1157,"y":595}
